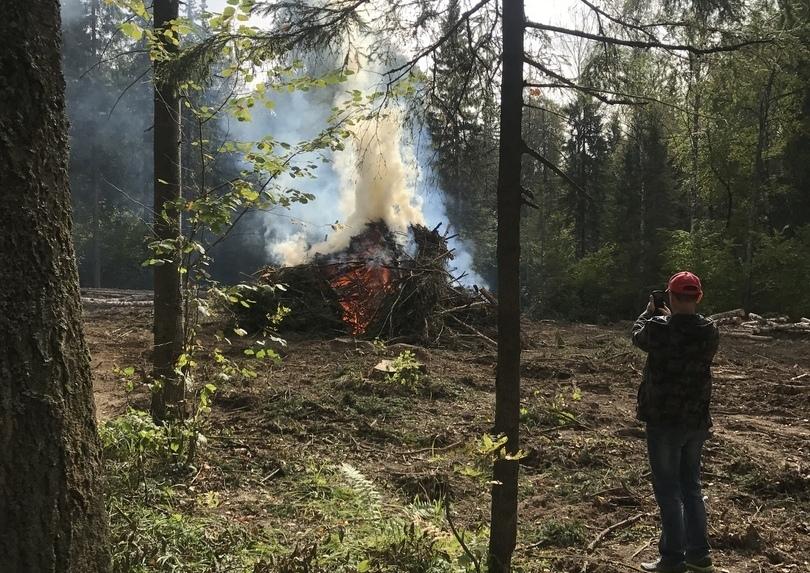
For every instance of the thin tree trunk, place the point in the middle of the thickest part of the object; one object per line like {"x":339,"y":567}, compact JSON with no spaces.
{"x":96,"y":217}
{"x":169,"y":400}
{"x":643,"y":210}
{"x":94,"y":168}
{"x":760,"y":180}
{"x":503,"y":527}
{"x":694,"y":180}
{"x":52,"y":516}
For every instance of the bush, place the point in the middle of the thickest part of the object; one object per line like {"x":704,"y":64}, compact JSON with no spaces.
{"x":711,"y":255}
{"x":781,"y":273}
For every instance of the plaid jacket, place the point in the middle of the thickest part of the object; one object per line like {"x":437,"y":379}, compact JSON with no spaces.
{"x":677,"y":386}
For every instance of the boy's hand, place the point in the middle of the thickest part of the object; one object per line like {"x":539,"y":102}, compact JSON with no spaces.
{"x":651,"y":310}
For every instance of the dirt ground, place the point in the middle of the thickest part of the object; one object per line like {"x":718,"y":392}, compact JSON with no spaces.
{"x":585,"y":468}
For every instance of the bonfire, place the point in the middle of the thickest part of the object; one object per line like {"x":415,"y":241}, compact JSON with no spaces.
{"x":378,"y":287}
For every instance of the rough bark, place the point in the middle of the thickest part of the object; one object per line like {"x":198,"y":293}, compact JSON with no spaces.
{"x":52,"y":516}
{"x":169,"y":401}
{"x":507,"y":386}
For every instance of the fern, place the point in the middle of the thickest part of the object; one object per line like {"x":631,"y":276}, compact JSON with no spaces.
{"x":427,"y":517}
{"x":363,"y":488}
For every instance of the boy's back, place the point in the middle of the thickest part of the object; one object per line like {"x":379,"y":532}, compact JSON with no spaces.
{"x":677,"y":386}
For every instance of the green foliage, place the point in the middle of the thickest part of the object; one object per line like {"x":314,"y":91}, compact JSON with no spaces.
{"x":559,"y":533}
{"x":550,"y":412}
{"x":781,"y":273}
{"x":710,"y":254}
{"x":376,"y":534}
{"x":142,"y":448}
{"x":599,"y":298}
{"x":406,"y":370}
{"x":158,"y":540}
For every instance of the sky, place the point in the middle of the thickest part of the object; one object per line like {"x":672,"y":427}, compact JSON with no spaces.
{"x":546,"y":11}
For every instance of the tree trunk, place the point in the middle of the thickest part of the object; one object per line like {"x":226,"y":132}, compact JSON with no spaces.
{"x":52,"y":516}
{"x":760,"y":180}
{"x":695,"y":67}
{"x":94,"y":169}
{"x":169,"y":400}
{"x":503,"y":532}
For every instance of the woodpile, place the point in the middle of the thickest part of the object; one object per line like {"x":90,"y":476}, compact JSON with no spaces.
{"x":744,"y":324}
{"x":97,"y":297}
{"x":377,"y":289}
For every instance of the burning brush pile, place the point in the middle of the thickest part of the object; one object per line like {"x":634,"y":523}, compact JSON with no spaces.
{"x":377,"y":288}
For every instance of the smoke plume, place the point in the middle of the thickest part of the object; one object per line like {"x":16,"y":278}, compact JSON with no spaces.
{"x":382,"y":174}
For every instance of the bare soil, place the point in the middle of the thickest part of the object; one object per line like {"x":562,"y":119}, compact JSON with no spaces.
{"x":586,"y":461}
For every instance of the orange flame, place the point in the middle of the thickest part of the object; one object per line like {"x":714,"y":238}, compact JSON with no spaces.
{"x":361,"y":290}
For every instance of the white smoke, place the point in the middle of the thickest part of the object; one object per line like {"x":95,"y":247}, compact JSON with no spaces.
{"x":382,"y":174}
{"x":72,"y":10}
{"x":374,"y":182}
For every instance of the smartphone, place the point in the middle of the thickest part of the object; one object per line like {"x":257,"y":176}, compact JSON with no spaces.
{"x":659,"y":298}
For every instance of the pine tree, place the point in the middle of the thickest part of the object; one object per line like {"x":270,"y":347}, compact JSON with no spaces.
{"x":52,"y":514}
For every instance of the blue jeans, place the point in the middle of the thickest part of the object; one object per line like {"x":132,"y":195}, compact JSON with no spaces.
{"x":675,"y":463}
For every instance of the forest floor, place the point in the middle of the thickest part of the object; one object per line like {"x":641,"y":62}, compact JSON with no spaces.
{"x":316,"y":453}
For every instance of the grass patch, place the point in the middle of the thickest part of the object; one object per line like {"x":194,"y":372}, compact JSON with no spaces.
{"x":557,"y":533}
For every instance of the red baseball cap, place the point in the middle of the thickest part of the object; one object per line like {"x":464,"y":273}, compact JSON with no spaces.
{"x":685,"y":282}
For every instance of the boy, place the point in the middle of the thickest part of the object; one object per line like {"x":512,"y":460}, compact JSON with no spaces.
{"x":673,"y":401}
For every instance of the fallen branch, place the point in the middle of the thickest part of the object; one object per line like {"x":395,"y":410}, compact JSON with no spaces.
{"x":460,"y":537}
{"x":431,"y":449}
{"x":642,"y":548}
{"x":748,"y":335}
{"x":605,"y":532}
{"x":477,"y":332}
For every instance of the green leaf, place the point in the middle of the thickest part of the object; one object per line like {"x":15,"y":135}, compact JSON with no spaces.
{"x":132,"y":30}
{"x":129,"y":371}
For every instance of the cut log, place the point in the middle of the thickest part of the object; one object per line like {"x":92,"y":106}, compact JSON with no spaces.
{"x":799,"y":329}
{"x":736,"y":313}
{"x":748,"y":335}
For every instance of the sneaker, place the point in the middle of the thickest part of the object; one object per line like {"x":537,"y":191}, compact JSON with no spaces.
{"x":703,"y":565}
{"x":661,"y":567}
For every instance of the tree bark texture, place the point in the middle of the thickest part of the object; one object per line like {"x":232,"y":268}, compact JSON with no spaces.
{"x":503,"y":530}
{"x":52,"y":516}
{"x":169,"y":401}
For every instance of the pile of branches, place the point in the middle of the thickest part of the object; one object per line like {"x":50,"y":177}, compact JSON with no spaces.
{"x":303,"y":290}
{"x":423,"y":303}
{"x":429,"y":305}
{"x":744,"y":324}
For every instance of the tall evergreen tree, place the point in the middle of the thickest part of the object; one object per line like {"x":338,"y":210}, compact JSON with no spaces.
{"x":52,"y":515}
{"x":586,"y":154}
